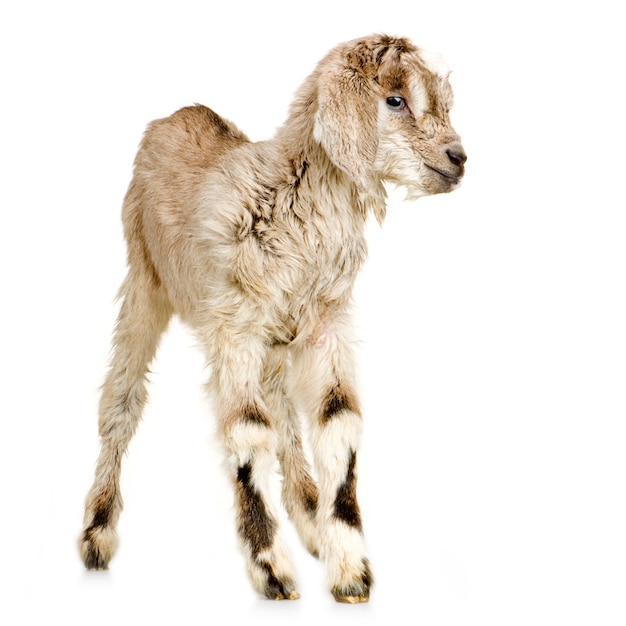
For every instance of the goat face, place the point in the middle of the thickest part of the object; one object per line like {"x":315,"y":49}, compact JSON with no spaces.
{"x":384,"y":114}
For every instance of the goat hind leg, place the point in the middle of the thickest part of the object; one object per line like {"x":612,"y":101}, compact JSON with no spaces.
{"x":299,"y":490}
{"x":143,"y":317}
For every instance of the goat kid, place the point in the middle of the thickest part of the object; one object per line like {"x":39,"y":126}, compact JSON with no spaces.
{"x":256,"y":246}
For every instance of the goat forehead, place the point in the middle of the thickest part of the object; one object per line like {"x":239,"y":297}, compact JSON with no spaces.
{"x":422,"y":89}
{"x":430,"y":91}
{"x":398,"y":70}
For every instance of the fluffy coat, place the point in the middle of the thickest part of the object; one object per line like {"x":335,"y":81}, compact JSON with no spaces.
{"x":256,"y":246}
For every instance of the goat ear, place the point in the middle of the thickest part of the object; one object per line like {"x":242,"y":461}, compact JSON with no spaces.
{"x":346,"y":126}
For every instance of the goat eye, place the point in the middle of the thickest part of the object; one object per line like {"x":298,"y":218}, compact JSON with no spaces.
{"x":396,"y":103}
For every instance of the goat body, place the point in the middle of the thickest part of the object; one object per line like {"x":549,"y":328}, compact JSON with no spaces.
{"x":256,"y":246}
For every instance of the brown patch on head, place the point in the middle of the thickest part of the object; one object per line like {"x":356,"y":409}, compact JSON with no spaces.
{"x":346,"y":120}
{"x":398,"y":73}
{"x":417,"y":147}
{"x":370,"y":53}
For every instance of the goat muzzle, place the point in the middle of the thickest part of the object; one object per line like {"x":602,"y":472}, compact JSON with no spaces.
{"x":456,"y":158}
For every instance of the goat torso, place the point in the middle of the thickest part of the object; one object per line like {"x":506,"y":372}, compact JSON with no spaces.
{"x":262,"y":240}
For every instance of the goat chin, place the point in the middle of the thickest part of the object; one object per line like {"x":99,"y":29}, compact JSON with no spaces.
{"x":256,"y":246}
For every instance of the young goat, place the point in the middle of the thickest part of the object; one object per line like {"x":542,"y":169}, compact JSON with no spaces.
{"x":256,"y":247}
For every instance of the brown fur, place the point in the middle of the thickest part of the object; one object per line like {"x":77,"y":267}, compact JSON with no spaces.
{"x":256,"y":246}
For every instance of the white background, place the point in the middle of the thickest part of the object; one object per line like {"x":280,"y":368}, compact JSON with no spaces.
{"x":493,"y":360}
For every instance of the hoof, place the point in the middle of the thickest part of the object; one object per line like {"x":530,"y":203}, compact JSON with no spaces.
{"x":280,"y":589}
{"x":275,"y":586}
{"x":97,"y":545}
{"x":351,"y":599}
{"x":293,"y":595}
{"x":357,"y":590}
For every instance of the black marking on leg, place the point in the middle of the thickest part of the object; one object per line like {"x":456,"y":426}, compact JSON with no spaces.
{"x":104,"y":508}
{"x":256,"y":526}
{"x":101,"y":517}
{"x":277,"y":589}
{"x":306,"y":492}
{"x":254,"y":415}
{"x":346,"y":506}
{"x":366,"y":576}
{"x":309,"y":499}
{"x":339,"y":399}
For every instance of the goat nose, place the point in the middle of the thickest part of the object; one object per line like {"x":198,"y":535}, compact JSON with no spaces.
{"x":456,"y":154}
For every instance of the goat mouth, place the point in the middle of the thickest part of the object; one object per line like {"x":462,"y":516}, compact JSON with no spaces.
{"x":447,"y":175}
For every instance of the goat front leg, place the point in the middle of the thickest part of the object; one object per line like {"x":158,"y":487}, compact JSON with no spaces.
{"x":250,"y":441}
{"x":325,"y":377}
